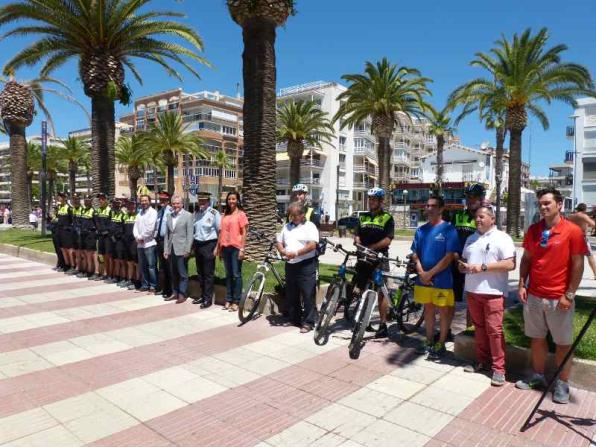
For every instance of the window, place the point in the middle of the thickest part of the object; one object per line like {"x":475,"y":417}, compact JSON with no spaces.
{"x":342,"y":141}
{"x":229,"y":130}
{"x":342,"y":158}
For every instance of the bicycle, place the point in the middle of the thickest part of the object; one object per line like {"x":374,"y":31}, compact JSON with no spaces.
{"x":252,"y":301}
{"x":408,"y":314}
{"x":338,"y":292}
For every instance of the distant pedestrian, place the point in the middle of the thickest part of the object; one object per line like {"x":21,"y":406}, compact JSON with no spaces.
{"x":297,"y":243}
{"x":178,"y":247}
{"x":230,"y":246}
{"x":550,"y":272}
{"x":586,"y":223}
{"x":488,"y":256}
{"x":33,"y":219}
{"x":207,"y":223}
{"x":143,"y":231}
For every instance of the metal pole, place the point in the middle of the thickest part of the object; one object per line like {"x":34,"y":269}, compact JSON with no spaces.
{"x":337,"y":193}
{"x":560,"y":368}
{"x":573,"y":194}
{"x":43,"y":175}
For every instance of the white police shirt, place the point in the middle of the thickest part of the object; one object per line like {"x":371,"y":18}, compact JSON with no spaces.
{"x":295,"y":237}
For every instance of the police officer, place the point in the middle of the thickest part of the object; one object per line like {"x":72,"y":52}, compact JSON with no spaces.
{"x":53,"y":227}
{"x":300,"y":193}
{"x":128,"y":246}
{"x":115,"y":231}
{"x":207,"y":221}
{"x":88,"y":244}
{"x":165,"y":273}
{"x":65,"y":232}
{"x":77,"y":252}
{"x":464,"y":222}
{"x":104,"y":213}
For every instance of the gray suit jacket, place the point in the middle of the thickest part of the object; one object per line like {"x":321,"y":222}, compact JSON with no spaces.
{"x":179,"y":240}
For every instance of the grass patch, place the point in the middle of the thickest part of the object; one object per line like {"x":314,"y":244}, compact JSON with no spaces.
{"x":28,"y":239}
{"x":405,"y":232}
{"x":513,"y":327}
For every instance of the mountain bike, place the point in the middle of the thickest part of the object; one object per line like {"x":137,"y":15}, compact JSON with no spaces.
{"x":338,"y":293}
{"x":252,"y":302}
{"x":408,"y":314}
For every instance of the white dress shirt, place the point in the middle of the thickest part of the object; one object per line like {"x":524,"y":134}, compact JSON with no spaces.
{"x":144,"y":228}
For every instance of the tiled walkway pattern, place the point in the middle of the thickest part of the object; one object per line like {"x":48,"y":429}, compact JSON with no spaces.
{"x":86,"y":363}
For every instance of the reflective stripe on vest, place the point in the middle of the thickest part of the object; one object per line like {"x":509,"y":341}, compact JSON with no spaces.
{"x":464,"y":220}
{"x":63,"y":210}
{"x":104,"y":212}
{"x":308,"y":214}
{"x":87,"y":213}
{"x":117,"y":217}
{"x":130,"y":218}
{"x":380,"y":220}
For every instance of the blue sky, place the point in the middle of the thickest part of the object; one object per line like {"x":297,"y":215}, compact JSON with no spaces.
{"x":328,"y":38}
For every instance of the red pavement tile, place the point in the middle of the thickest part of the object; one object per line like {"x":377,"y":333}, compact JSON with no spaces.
{"x":81,"y":284}
{"x":33,"y":277}
{"x":15,"y":311}
{"x":43,"y":387}
{"x":139,"y":436}
{"x":63,"y":331}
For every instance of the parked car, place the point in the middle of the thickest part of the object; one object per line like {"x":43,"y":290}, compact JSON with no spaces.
{"x":351,"y":221}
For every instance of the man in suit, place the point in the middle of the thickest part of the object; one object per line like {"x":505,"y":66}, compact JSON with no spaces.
{"x":165,"y":272}
{"x":177,"y":248}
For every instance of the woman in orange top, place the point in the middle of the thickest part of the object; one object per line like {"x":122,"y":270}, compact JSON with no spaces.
{"x":230,"y":246}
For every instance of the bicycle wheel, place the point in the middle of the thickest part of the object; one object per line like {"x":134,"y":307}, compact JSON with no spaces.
{"x":360,"y":326}
{"x":328,"y":308}
{"x":350,"y":303}
{"x":249,"y":302}
{"x":410,"y":314}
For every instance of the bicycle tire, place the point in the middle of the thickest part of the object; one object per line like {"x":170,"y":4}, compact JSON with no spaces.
{"x":360,"y":327}
{"x":350,"y":304}
{"x":410,"y":314}
{"x":328,"y":308}
{"x":246,"y":312}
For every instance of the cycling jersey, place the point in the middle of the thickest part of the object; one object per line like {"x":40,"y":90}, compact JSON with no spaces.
{"x":64,"y":216}
{"x":129,"y":223}
{"x":103,"y":219}
{"x":117,"y":224}
{"x":373,"y":228}
{"x":88,"y":219}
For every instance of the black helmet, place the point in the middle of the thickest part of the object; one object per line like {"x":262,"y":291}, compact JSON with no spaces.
{"x":475,"y":189}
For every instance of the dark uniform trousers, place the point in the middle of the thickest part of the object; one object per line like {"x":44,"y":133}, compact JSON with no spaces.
{"x":205,"y":268}
{"x":165,"y":269}
{"x":301,"y":291}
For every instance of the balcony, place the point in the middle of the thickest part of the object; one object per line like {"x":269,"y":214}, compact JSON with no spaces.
{"x":399,"y":145}
{"x":342,"y":147}
{"x":366,"y":152}
{"x":400,"y":159}
{"x":305,"y":163}
{"x":363,"y":185}
{"x":306,"y":181}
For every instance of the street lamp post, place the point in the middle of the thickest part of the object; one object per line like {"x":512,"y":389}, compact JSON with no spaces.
{"x":573,"y":192}
{"x":405,"y":194}
{"x":43,"y":175}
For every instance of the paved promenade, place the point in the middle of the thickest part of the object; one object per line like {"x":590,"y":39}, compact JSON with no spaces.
{"x":85,"y":363}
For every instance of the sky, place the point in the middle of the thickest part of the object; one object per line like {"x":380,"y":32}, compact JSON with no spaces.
{"x":329,"y":38}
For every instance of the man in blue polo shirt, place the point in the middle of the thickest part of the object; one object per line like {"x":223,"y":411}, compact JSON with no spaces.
{"x":434,"y":248}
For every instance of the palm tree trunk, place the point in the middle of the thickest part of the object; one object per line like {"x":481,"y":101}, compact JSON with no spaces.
{"x":30,"y":188}
{"x":514,"y":192}
{"x":132,"y":185}
{"x":170,"y":176}
{"x":440,"y":146}
{"x":18,"y":175}
{"x":102,"y":142}
{"x":294,"y":170}
{"x":220,"y":186}
{"x":72,"y":173}
{"x":384,"y":158}
{"x":259,"y":75}
{"x":500,"y":131}
{"x":88,"y":175}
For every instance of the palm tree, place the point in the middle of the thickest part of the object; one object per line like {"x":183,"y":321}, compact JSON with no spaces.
{"x":17,"y":108}
{"x":302,"y":123}
{"x":75,"y":152}
{"x":134,"y":156}
{"x":441,"y":127}
{"x":105,"y":37}
{"x":389,"y":95}
{"x":223,"y":162}
{"x":259,"y":20}
{"x":170,"y":137}
{"x":55,"y":164}
{"x":33,"y":166}
{"x":525,"y":72}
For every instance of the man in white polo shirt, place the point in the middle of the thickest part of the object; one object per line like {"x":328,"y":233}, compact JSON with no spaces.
{"x":297,"y":243}
{"x":488,"y":256}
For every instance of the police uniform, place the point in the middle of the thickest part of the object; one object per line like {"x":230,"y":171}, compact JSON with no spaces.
{"x":465,"y":225}
{"x":116,"y":232}
{"x":64,"y":226}
{"x":61,"y":263}
{"x":371,"y":229}
{"x":88,"y":223}
{"x":76,"y":227}
{"x":102,"y":221}
{"x":128,"y":240}
{"x":206,"y":229}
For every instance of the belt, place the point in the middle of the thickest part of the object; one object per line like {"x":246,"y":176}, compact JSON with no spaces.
{"x":210,"y":241}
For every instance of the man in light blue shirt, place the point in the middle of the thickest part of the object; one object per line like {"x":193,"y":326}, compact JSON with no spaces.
{"x":207,"y":224}
{"x":160,"y":234}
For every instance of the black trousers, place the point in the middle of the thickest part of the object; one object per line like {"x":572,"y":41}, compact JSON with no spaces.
{"x":56,"y":241}
{"x":301,"y":284}
{"x":164,"y":273}
{"x":205,"y":268}
{"x":459,"y":279}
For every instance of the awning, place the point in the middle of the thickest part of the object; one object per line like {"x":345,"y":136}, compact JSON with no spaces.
{"x":282,"y":156}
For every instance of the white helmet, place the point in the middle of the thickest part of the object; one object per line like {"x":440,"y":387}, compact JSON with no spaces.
{"x":376,"y":192}
{"x":300,"y":187}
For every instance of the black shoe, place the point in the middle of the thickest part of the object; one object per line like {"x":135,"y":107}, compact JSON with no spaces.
{"x":143,"y":289}
{"x":370,"y":328}
{"x":205,"y":304}
{"x":382,"y":332}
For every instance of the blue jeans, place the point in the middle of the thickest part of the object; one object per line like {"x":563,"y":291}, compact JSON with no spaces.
{"x":147,"y":262}
{"x":233,"y":274}
{"x":179,"y":269}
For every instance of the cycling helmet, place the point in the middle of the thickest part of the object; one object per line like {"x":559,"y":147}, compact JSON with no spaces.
{"x":300,"y":187}
{"x":475,"y":189}
{"x":376,"y":192}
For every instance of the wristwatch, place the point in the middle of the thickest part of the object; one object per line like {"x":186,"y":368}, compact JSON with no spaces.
{"x":570,"y":296}
{"x":484,"y":267}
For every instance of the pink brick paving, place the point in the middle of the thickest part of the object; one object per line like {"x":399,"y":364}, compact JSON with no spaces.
{"x":23,"y":269}
{"x":495,"y":417}
{"x":35,"y":389}
{"x":78,"y":284}
{"x":63,"y":331}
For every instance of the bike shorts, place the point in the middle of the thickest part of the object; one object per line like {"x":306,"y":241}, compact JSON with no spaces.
{"x":432,"y":295}
{"x":66,"y":238}
{"x":111,"y":247}
{"x":364,"y":271}
{"x":88,"y":241}
{"x":101,"y":245}
{"x":131,"y":250}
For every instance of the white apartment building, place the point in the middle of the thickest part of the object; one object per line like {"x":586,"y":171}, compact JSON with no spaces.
{"x":339,"y":174}
{"x":583,"y":133}
{"x":560,"y":176}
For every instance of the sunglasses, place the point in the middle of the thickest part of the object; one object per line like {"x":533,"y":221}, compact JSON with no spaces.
{"x":545,"y":238}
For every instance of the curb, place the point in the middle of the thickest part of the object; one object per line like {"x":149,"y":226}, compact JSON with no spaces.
{"x":518,"y":360}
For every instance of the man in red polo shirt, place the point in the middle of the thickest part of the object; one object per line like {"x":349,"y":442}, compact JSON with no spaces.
{"x":550,"y":272}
